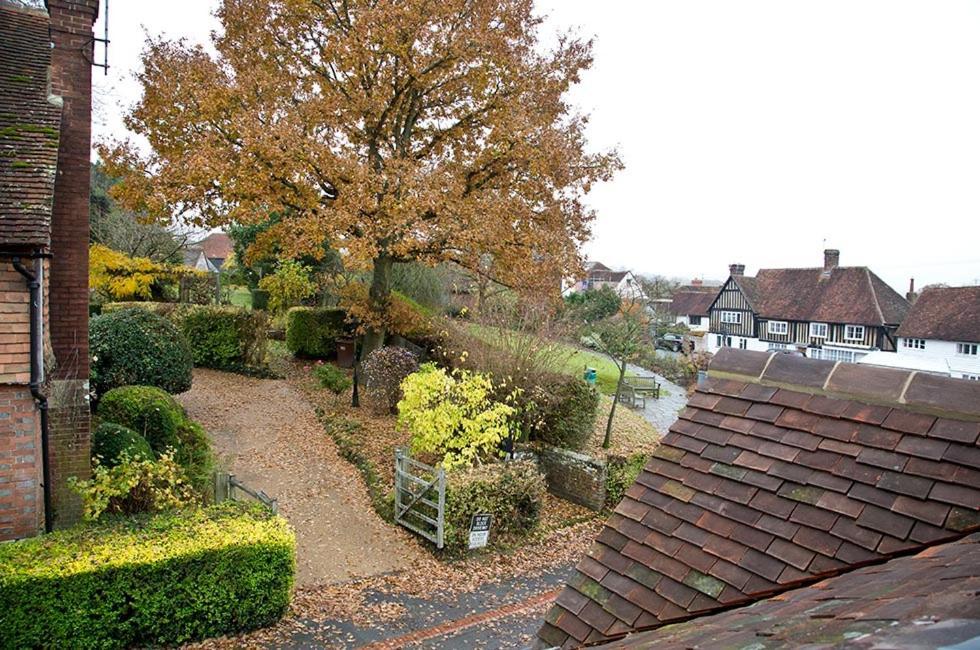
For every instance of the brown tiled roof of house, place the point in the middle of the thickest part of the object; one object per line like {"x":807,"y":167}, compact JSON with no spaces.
{"x":928,"y":600}
{"x":597,"y":275}
{"x":29,"y":129}
{"x":944,"y":313}
{"x":781,"y":470}
{"x":217,"y":245}
{"x":692,"y":302}
{"x":842,"y":295}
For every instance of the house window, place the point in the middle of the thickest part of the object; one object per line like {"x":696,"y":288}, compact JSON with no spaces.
{"x":731,"y":317}
{"x":915,"y":344}
{"x":969,"y":349}
{"x":830,"y":354}
{"x":718,"y":341}
{"x":818,"y":330}
{"x":742,"y":344}
{"x":972,"y":377}
{"x":778,"y":327}
{"x":854,"y":332}
{"x":695,"y":320}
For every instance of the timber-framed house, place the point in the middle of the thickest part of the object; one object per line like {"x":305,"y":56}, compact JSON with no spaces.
{"x":834,"y":312}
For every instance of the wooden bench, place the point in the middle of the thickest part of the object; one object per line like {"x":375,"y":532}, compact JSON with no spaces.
{"x":635,"y":391}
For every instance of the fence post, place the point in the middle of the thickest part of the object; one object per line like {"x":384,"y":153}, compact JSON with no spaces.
{"x":398,"y":481}
{"x":441,"y":517}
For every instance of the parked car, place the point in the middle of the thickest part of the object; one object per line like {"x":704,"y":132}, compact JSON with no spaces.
{"x":672,"y":342}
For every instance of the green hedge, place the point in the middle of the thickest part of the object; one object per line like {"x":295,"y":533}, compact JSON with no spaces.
{"x":135,"y":346}
{"x":621,"y":473}
{"x":564,"y":411}
{"x":221,"y":337}
{"x":110,"y":441}
{"x":147,"y":581}
{"x":511,"y":492}
{"x":148,"y":411}
{"x":226,"y":338}
{"x":313,"y":331}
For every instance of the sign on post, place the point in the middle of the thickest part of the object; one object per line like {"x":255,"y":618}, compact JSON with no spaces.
{"x":479,"y":531}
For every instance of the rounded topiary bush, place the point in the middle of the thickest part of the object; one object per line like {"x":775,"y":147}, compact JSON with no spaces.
{"x":193,"y":453}
{"x":135,"y":346}
{"x":111,"y":441}
{"x":147,"y":410}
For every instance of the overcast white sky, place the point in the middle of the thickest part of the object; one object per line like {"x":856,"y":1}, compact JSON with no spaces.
{"x":758,"y":132}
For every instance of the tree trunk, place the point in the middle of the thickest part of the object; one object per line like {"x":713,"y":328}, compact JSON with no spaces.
{"x":379,"y":298}
{"x":619,"y":384}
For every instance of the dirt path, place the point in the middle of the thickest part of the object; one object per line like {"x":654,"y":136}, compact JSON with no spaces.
{"x":267,"y":434}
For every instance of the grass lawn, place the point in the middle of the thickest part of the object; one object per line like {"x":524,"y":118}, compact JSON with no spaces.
{"x":240,"y":297}
{"x":577,"y":359}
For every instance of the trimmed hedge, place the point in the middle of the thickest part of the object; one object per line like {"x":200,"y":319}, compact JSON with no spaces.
{"x":148,"y":580}
{"x":511,"y":492}
{"x":110,"y":441}
{"x":312,"y":332}
{"x":135,"y":346}
{"x":226,"y":338}
{"x":148,"y":411}
{"x":564,"y":411}
{"x":621,"y":474}
{"x":220,"y":337}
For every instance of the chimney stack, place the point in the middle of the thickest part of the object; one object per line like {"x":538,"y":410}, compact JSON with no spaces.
{"x":696,"y":282}
{"x":736,"y":269}
{"x":831,"y":258}
{"x":910,"y":296}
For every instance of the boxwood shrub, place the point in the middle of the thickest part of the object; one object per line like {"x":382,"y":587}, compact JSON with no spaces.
{"x":148,"y":580}
{"x":135,"y":346}
{"x":511,"y":492}
{"x":564,"y":411}
{"x":226,"y":338}
{"x":110,"y":441}
{"x":312,"y":332}
{"x":148,"y":411}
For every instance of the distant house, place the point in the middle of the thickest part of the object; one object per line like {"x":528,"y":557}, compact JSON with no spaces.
{"x":599,"y":275}
{"x":834,"y":312}
{"x":941,"y":335}
{"x":210,"y":253}
{"x":689,"y":306}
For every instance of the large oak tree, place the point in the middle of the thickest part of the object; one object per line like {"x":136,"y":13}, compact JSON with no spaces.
{"x":425,"y":130}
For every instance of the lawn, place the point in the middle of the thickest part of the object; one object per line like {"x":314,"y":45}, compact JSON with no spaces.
{"x":240,"y":297}
{"x":576,"y":359}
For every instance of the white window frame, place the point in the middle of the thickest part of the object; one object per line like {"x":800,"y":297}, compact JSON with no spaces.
{"x":967,"y":349}
{"x":781,"y":327}
{"x":914,"y":344}
{"x":731,"y":317}
{"x":854,"y":337}
{"x":969,"y":377}
{"x":815,"y":330}
{"x":743,"y":344}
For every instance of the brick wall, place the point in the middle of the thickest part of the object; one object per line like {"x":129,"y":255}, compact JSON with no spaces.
{"x":21,"y":501}
{"x":15,"y":326}
{"x":576,"y":477}
{"x":71,"y":77}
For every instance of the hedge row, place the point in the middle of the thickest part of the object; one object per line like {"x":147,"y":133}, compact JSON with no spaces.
{"x":220,"y":337}
{"x":512,"y":493}
{"x":312,"y":332}
{"x":147,"y":581}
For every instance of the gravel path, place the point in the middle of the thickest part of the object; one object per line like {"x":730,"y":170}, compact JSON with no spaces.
{"x":267,"y":434}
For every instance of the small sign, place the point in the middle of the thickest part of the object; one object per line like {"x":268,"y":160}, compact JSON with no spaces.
{"x":479,"y":531}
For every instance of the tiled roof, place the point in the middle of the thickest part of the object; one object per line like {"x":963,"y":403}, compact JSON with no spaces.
{"x":217,"y":245}
{"x":693,"y":302}
{"x":29,"y":129}
{"x":927,"y":600}
{"x":843,"y":295}
{"x":946,"y":313}
{"x":597,"y":275}
{"x":781,"y":469}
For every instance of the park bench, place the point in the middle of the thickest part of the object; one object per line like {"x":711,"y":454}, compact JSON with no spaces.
{"x":635,"y":391}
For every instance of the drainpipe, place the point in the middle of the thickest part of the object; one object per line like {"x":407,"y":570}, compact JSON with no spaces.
{"x":34,"y":284}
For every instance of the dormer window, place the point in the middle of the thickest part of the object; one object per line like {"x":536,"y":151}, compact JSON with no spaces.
{"x":818,"y":330}
{"x":854,"y":332}
{"x":967,"y":349}
{"x":778,"y":327}
{"x":915,"y":344}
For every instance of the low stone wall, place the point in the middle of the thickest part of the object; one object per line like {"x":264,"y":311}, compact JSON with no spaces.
{"x":576,"y":477}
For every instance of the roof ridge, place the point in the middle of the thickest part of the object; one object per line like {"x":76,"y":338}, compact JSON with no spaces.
{"x":874,"y":295}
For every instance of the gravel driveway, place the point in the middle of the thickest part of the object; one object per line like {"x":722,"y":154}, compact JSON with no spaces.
{"x":267,"y":434}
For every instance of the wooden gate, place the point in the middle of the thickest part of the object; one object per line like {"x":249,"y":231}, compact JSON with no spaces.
{"x":420,"y":497}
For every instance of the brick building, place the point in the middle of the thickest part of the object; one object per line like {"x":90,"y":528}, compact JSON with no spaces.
{"x":45,"y":140}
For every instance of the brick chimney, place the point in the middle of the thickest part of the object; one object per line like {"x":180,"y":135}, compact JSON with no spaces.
{"x":831,"y":259}
{"x":910,"y":296}
{"x":736,"y":269}
{"x":696,"y":282}
{"x":71,"y":78}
